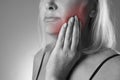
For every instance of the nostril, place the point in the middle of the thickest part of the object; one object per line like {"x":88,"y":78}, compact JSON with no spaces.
{"x":51,"y":6}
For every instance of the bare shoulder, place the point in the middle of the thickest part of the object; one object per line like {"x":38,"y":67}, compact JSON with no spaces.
{"x":111,"y":68}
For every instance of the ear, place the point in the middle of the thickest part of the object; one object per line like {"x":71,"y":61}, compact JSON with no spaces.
{"x":93,"y":11}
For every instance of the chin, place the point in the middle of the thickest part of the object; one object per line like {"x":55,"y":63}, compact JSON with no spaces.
{"x":52,"y":30}
{"x":49,"y":30}
{"x":51,"y":33}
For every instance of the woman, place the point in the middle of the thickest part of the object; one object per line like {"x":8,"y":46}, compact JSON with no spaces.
{"x":78,"y":42}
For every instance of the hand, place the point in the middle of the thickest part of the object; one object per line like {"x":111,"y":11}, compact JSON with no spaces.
{"x":65,"y":54}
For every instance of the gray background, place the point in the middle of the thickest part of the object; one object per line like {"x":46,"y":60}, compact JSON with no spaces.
{"x":19,"y":37}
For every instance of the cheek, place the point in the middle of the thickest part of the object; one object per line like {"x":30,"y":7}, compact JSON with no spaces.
{"x":81,"y":13}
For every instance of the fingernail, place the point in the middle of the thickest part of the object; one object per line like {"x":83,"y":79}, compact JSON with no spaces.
{"x":71,"y":19}
{"x":76,"y":18}
{"x":65,"y":25}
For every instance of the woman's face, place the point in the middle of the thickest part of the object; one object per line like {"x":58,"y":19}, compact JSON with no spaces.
{"x":54,"y":13}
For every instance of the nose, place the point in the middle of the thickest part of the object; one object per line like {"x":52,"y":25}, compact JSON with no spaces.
{"x":51,"y":5}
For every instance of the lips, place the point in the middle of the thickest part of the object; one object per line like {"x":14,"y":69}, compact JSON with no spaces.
{"x":51,"y":19}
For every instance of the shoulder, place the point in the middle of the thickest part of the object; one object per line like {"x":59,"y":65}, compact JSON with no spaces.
{"x":110,"y":70}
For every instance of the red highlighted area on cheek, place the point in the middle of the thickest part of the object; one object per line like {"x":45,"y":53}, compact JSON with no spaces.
{"x":80,"y":12}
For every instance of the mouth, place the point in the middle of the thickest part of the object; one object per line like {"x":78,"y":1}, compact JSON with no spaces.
{"x":51,"y":19}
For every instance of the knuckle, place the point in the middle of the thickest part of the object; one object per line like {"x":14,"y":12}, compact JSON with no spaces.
{"x":71,"y":55}
{"x":68,"y":38}
{"x":67,"y":41}
{"x":62,"y":40}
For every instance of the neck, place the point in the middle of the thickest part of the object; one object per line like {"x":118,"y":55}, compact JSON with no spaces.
{"x":50,"y":42}
{"x":51,"y":39}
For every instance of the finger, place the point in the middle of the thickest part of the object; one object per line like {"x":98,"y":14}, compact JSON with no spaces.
{"x":68,"y":34}
{"x":61,"y":36}
{"x":79,"y":40}
{"x":76,"y":35}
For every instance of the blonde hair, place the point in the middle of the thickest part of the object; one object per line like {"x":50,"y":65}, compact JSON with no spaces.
{"x":103,"y":34}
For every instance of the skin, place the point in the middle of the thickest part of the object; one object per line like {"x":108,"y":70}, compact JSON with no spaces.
{"x":72,"y":27}
{"x":64,"y":54}
{"x":65,"y":50}
{"x":63,"y":9}
{"x":66,"y":9}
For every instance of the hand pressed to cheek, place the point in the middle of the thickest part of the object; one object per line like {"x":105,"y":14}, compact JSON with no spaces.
{"x":63,"y":59}
{"x":61,"y":36}
{"x":76,"y":35}
{"x":80,"y":11}
{"x":70,"y":35}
